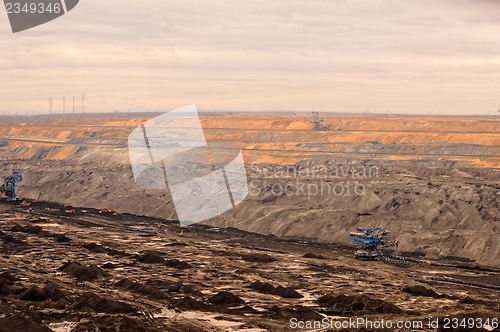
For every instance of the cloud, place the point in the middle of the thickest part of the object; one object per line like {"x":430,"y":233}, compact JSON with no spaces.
{"x":383,"y":55}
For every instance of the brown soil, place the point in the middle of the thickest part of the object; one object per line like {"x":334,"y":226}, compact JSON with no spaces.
{"x":266,"y":288}
{"x":357,"y":304}
{"x":157,"y":297}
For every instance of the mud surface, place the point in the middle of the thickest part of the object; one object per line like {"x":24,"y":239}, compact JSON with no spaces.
{"x":124,"y":273}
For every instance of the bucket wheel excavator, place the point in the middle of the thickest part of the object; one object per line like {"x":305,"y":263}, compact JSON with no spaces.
{"x":9,"y":187}
{"x":371,"y":240}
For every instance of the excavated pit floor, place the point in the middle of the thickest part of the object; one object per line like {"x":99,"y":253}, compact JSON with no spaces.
{"x":91,"y":271}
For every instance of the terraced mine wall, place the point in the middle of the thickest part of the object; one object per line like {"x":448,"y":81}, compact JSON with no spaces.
{"x":434,"y":182}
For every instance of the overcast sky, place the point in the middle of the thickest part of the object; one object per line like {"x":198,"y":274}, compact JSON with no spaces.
{"x":355,"y":55}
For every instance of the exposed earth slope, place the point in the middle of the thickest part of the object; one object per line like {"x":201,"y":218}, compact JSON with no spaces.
{"x":434,"y":182}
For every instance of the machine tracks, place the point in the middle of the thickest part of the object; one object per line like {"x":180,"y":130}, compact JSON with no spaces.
{"x":391,"y":259}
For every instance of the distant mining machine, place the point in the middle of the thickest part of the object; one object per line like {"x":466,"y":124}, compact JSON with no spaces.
{"x":317,"y":123}
{"x":371,"y":240}
{"x":9,"y":187}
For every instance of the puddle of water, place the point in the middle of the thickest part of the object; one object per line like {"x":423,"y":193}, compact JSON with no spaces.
{"x":153,"y":244}
{"x":309,"y":299}
{"x":165,"y":313}
{"x":51,"y":225}
{"x":443,"y":300}
{"x":210,"y":319}
{"x":294,"y":266}
{"x":62,"y":327}
{"x":259,"y":309}
{"x":229,"y":287}
{"x":204,"y":257}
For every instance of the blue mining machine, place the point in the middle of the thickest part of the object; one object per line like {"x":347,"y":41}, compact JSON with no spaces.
{"x":9,"y":187}
{"x":371,"y":240}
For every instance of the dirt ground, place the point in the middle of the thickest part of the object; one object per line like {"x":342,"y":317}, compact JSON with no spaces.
{"x":93,"y":271}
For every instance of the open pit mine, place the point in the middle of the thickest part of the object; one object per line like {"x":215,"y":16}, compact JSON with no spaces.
{"x":347,"y":218}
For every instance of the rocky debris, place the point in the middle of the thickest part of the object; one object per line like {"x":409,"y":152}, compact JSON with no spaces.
{"x":151,"y":258}
{"x":83,"y":272}
{"x":140,"y":288}
{"x":33,"y":229}
{"x":473,"y":300}
{"x":225,"y":298}
{"x":115,"y":323}
{"x":299,"y":312}
{"x":160,"y":295}
{"x":18,"y":228}
{"x":420,"y":290}
{"x":53,"y":292}
{"x":258,"y":258}
{"x":114,"y":252}
{"x":95,"y":248}
{"x":61,"y":238}
{"x":459,"y":259}
{"x":176,"y":244}
{"x":110,"y":265}
{"x":311,"y":255}
{"x":62,"y":304}
{"x":189,"y":303}
{"x":287,"y":292}
{"x":350,"y":304}
{"x":184,"y":326}
{"x":246,"y":309}
{"x":414,"y":254}
{"x":262,"y":287}
{"x":189,"y":289}
{"x":7,"y":275}
{"x":181,"y":265}
{"x":19,"y":323}
{"x":266,"y":288}
{"x":11,"y":239}
{"x":56,"y":295}
{"x":33,"y":294}
{"x":174,"y":287}
{"x":6,"y":280}
{"x":336,"y":269}
{"x":91,"y":302}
